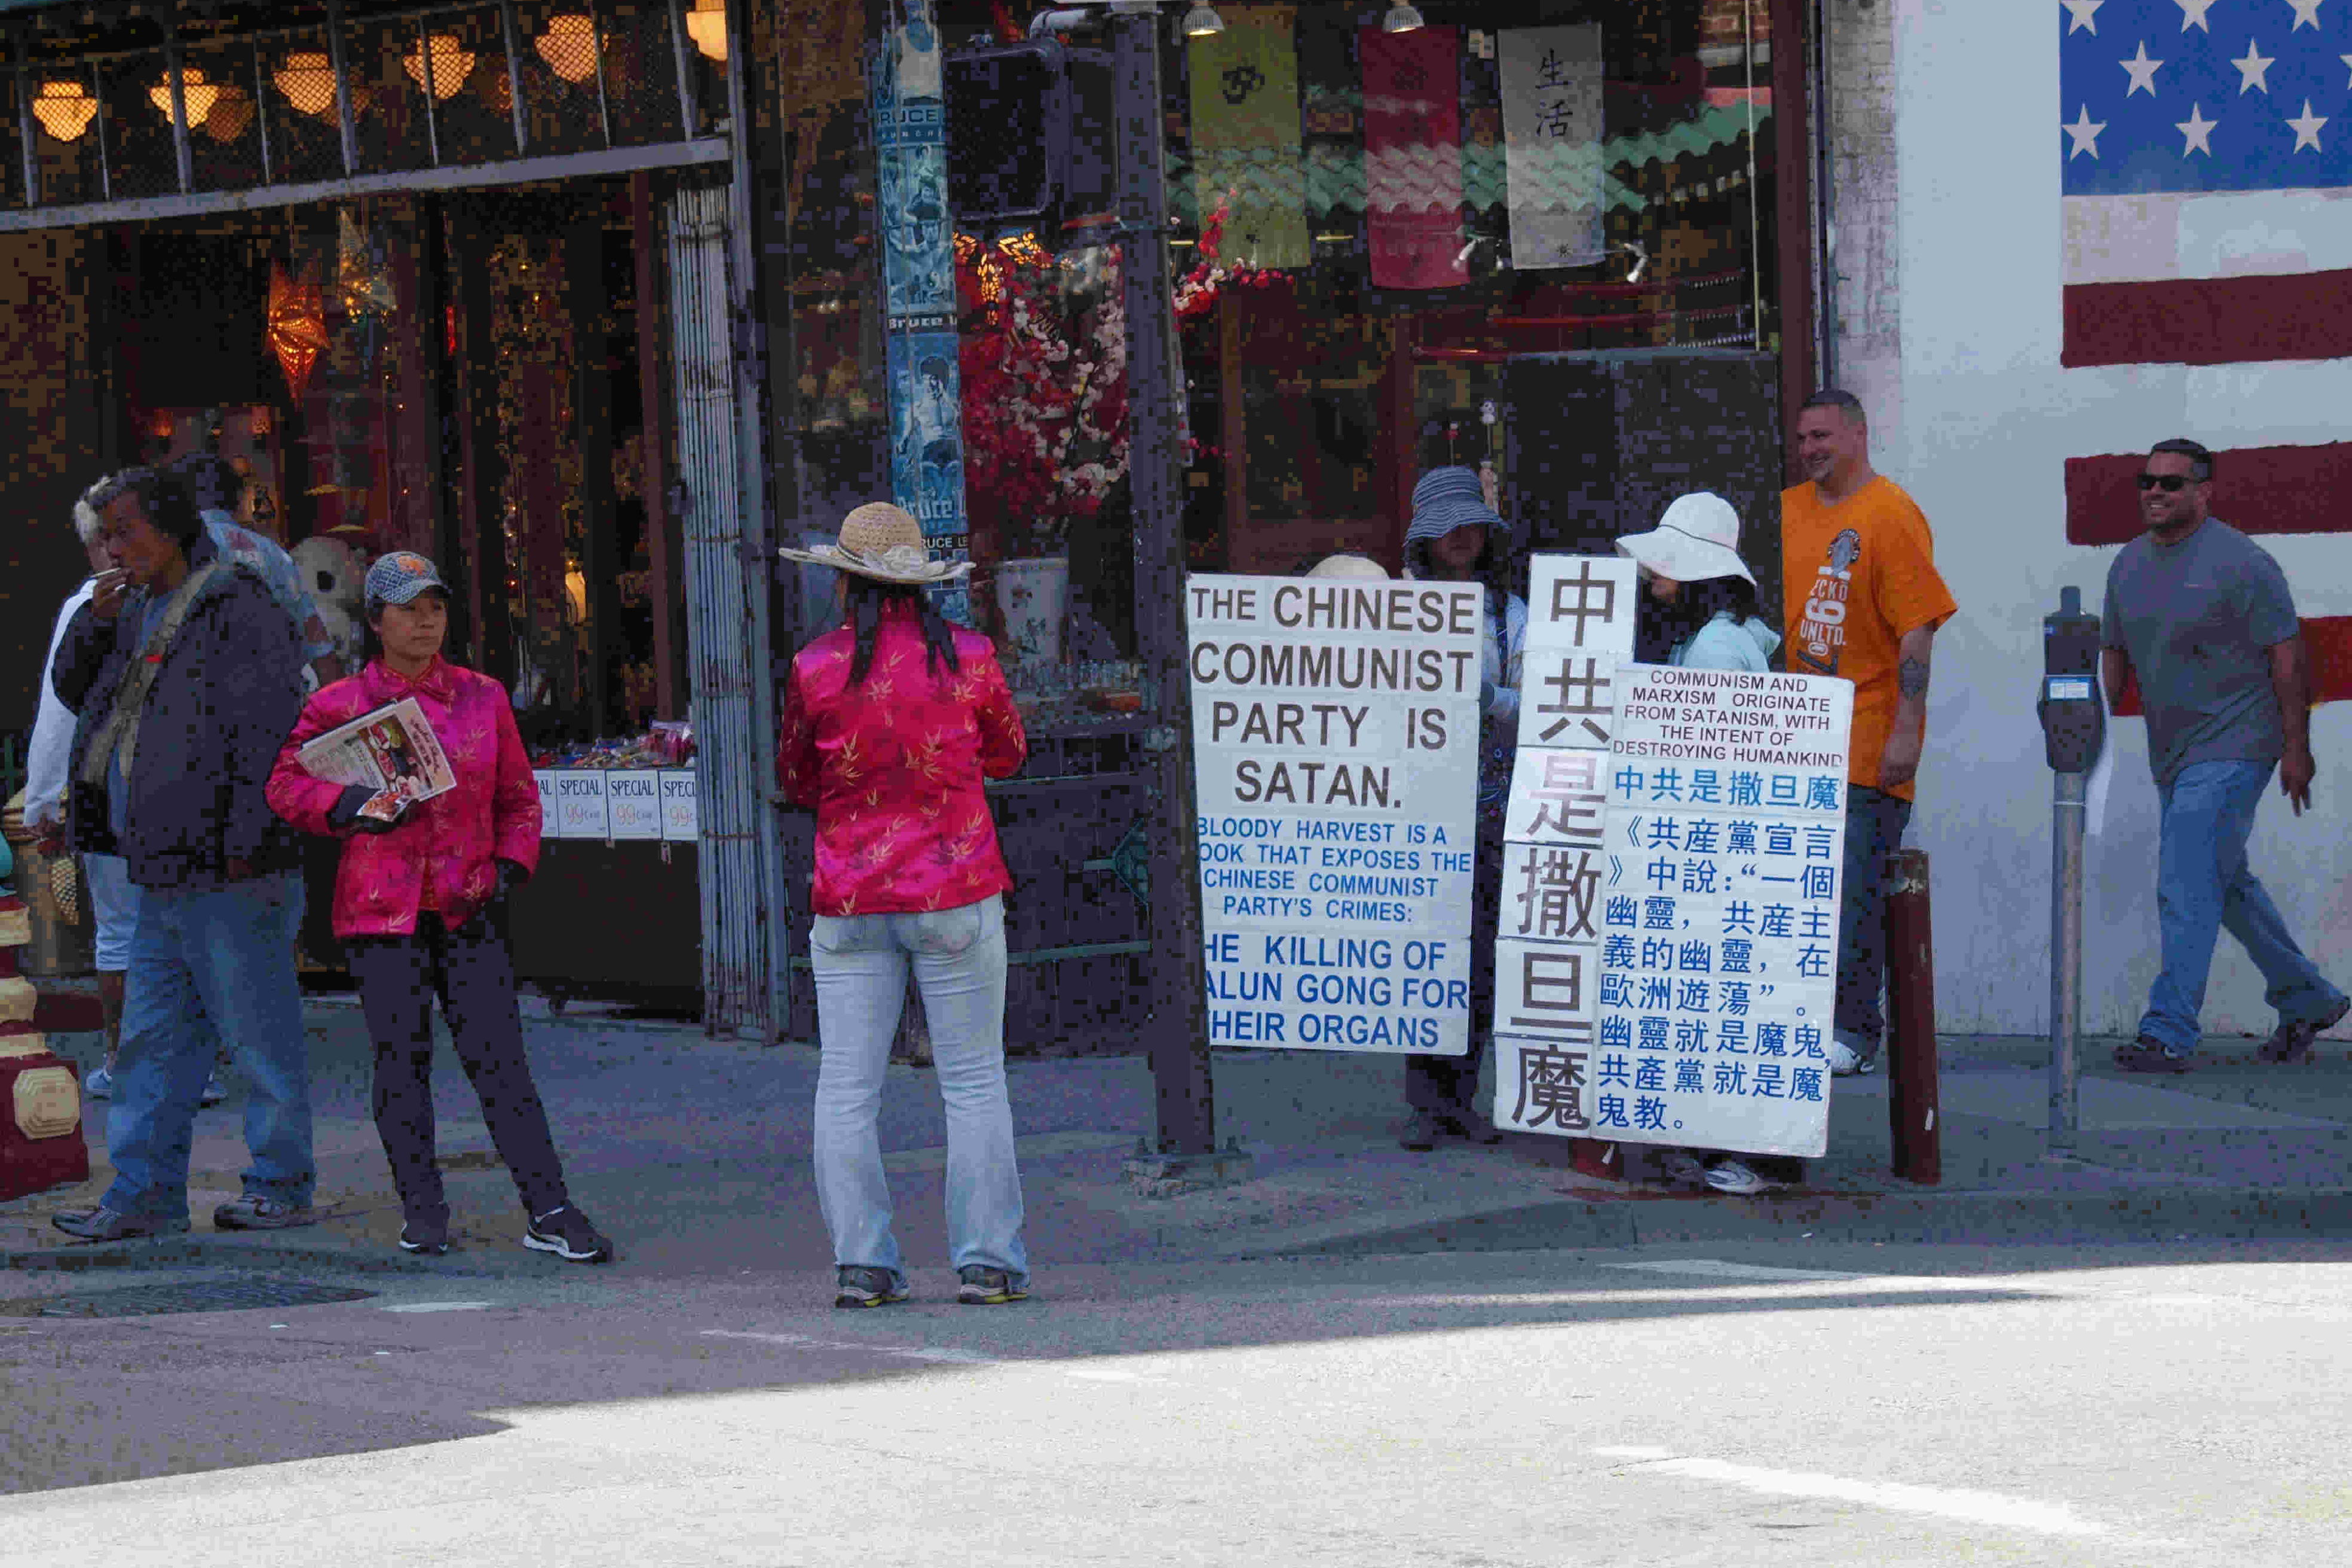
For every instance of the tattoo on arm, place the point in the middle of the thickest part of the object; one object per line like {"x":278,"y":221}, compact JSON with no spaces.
{"x":1912,"y":678}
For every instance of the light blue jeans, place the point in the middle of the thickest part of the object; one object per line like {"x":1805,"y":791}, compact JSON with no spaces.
{"x":2203,"y":886}
{"x":226,"y":954}
{"x":861,"y":980}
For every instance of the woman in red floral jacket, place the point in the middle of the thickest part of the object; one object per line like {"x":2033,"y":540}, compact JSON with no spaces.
{"x":890,"y":723}
{"x":412,"y":897}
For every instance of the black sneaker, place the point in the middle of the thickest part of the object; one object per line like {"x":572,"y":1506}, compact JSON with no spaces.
{"x":1472,"y":1127}
{"x":981,"y":1285}
{"x":1420,"y":1133}
{"x":103,"y":1224}
{"x":423,"y":1236}
{"x":2291,"y":1042}
{"x":2144,"y":1055}
{"x":565,"y":1232}
{"x":859,"y":1287}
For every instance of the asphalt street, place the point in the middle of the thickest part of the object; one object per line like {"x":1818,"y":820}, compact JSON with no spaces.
{"x":1795,"y":1401}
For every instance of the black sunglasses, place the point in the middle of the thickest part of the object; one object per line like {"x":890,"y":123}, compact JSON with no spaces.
{"x":2169,"y":484}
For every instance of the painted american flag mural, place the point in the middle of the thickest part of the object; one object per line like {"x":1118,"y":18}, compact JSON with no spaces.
{"x":2206,"y":155}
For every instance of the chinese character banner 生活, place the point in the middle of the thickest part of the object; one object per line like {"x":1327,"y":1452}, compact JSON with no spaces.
{"x":1334,"y":731}
{"x":1670,"y":903}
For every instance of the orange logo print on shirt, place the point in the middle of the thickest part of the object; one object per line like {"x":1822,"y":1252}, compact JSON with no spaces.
{"x":1821,"y":631}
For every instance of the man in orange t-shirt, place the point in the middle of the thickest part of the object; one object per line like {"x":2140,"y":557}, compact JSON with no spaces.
{"x":1863,"y":601}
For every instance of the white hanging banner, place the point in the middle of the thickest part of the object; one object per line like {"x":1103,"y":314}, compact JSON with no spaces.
{"x":1335,"y":741}
{"x":1551,"y":144}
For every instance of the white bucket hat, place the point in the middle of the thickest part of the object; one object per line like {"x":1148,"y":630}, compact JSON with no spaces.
{"x":1698,"y":538}
{"x":1351,"y":566}
{"x":885,"y":543}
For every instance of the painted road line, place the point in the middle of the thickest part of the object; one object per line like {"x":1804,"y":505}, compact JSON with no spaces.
{"x":1719,"y":1268}
{"x":1941,"y":1502}
{"x":439,"y":1307}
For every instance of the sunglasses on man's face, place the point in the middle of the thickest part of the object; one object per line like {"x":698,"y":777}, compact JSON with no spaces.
{"x":2170,"y":484}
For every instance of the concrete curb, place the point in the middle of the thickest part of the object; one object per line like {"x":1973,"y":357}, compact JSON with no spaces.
{"x":1992,"y":1218}
{"x":208,"y":1252}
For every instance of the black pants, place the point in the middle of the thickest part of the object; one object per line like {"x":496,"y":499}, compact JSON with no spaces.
{"x":469,"y":969}
{"x":1444,"y":1086}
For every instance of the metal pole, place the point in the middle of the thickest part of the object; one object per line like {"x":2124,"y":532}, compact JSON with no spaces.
{"x":183,"y":155}
{"x":343,"y":87}
{"x":514,"y":74}
{"x":2065,"y":957}
{"x":1912,"y":1094}
{"x":1179,"y":1048}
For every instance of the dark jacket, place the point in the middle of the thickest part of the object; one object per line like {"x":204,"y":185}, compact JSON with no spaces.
{"x":229,"y":691}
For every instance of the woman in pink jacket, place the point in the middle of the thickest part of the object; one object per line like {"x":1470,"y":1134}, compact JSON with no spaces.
{"x":413,"y":901}
{"x":890,"y":724}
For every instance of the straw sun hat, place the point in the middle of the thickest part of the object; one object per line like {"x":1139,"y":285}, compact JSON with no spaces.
{"x":1698,"y":538}
{"x":884,"y":543}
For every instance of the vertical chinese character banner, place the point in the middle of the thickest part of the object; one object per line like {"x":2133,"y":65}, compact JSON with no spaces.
{"x":1413,"y":156}
{"x":1247,"y":141}
{"x":1551,"y":144}
{"x":1547,"y":928}
{"x":1719,"y":928}
{"x":919,"y":290}
{"x":1335,"y":744}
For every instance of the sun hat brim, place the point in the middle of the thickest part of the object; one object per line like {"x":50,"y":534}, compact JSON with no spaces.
{"x":881,"y":569}
{"x":1685,"y":557}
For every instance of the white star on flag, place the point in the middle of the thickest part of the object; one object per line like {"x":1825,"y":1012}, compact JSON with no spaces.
{"x":2143,"y":72}
{"x":2306,"y":129}
{"x":2305,"y":12}
{"x":2081,"y":16}
{"x":2086,"y":134}
{"x":2197,"y":132}
{"x":2193,"y":14}
{"x":2252,"y":69}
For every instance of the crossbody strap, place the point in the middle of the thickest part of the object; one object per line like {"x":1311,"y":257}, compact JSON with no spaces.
{"x":121,"y":731}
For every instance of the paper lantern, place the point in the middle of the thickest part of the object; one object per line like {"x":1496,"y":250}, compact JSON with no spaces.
{"x":298,"y":326}
{"x":568,"y":47}
{"x":308,"y":81}
{"x":707,"y":25}
{"x":232,"y":112}
{"x":452,"y":63}
{"x":199,"y":93}
{"x":64,"y":109}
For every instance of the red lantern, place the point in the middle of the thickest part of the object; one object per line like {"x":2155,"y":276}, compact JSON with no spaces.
{"x":298,"y":326}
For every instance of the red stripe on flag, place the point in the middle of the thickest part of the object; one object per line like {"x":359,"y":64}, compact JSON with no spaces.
{"x":2327,"y":645}
{"x":2256,"y":489}
{"x":2209,"y":321}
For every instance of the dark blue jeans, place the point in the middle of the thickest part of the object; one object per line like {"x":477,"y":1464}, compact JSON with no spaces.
{"x":199,"y":959}
{"x":1875,"y":821}
{"x":2203,"y":887}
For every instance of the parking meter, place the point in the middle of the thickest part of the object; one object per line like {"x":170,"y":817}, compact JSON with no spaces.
{"x":2073,"y":725}
{"x":2074,"y":719}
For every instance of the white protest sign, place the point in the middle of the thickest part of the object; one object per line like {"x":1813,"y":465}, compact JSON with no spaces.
{"x":1334,"y":734}
{"x":633,"y":804}
{"x":1547,"y":927}
{"x":1725,"y":843}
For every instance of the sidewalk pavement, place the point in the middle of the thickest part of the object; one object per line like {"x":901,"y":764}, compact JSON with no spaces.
{"x":693,"y":1154}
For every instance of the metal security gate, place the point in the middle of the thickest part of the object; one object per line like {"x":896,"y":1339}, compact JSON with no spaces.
{"x":725,"y":623}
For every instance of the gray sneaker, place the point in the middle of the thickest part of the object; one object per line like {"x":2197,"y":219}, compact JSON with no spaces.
{"x":855,"y":1286}
{"x":2291,"y":1042}
{"x":103,"y":1224}
{"x":99,"y":1084}
{"x":256,"y":1212}
{"x":978,"y":1285}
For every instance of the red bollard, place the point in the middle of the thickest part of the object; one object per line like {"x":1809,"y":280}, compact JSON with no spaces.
{"x":1911,"y":1097}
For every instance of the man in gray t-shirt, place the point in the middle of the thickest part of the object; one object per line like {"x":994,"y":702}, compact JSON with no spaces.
{"x":2201,"y":616}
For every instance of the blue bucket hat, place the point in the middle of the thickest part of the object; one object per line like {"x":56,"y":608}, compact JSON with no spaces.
{"x":1447,"y":499}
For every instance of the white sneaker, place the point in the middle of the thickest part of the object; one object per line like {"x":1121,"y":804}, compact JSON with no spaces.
{"x":1734,"y":1177}
{"x":215,"y":1090}
{"x":1847,"y":1062}
{"x":1683,"y":1168}
{"x":99,"y":1085}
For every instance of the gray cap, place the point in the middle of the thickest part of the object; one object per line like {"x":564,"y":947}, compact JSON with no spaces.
{"x":398,"y":577}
